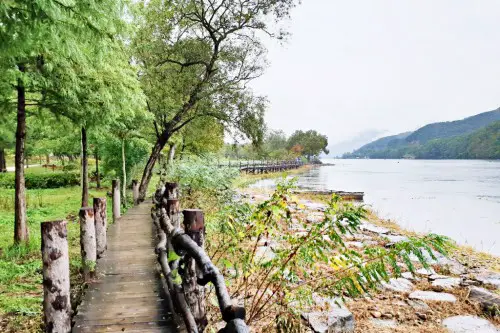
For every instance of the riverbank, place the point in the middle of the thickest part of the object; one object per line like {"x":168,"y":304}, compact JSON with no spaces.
{"x":444,"y":298}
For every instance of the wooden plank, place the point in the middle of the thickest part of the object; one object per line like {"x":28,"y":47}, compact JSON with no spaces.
{"x":128,"y":294}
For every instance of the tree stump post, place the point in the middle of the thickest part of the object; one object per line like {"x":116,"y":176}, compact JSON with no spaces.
{"x":56,"y":287}
{"x":194,"y":224}
{"x":101,"y":224}
{"x":88,"y":242}
{"x":135,"y":191}
{"x":172,"y":190}
{"x":116,"y":199}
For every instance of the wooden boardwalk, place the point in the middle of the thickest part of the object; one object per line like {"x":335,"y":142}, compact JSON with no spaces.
{"x":128,"y":294}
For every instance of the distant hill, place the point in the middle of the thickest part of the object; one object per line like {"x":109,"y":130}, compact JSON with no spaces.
{"x":338,"y":148}
{"x":473,"y":137}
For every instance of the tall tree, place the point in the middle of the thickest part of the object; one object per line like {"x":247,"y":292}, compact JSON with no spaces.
{"x":49,"y":53}
{"x":197,"y":58}
{"x":311,"y":143}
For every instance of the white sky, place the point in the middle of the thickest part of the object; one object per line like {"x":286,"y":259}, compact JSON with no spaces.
{"x":357,"y":65}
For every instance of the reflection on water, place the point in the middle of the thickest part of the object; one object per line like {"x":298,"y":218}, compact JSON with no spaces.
{"x":459,"y":199}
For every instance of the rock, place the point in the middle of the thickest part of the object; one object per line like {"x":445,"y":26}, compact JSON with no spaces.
{"x":489,"y":278}
{"x":264,"y":254}
{"x":396,"y":238}
{"x":426,"y":271}
{"x":432,"y":296}
{"x":447,"y":283}
{"x":333,"y":321}
{"x":400,"y":285}
{"x":387,"y":316}
{"x":437,"y":277}
{"x":315,"y":217}
{"x":489,"y":301}
{"x":467,"y":283}
{"x":452,"y":265}
{"x":376,"y":314}
{"x":384,"y":323}
{"x":418,"y":305}
{"x":409,"y":276}
{"x":466,"y":324}
{"x":358,"y":237}
{"x":373,"y":228}
{"x":313,"y":205}
{"x":358,"y":245}
{"x":421,"y":316}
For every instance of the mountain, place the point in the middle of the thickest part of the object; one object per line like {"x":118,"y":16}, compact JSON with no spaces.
{"x":473,"y":137}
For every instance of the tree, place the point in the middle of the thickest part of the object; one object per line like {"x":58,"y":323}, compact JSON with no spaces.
{"x":50,"y":54}
{"x":197,"y":57}
{"x":311,"y":142}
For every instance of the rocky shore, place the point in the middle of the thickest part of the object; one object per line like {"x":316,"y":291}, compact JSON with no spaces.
{"x":451,"y":296}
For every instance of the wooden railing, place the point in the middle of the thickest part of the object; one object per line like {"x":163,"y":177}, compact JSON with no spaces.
{"x":191,"y":262}
{"x":265,"y":166}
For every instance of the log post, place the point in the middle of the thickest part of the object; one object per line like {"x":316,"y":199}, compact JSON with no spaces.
{"x":116,"y":200}
{"x":171,"y":190}
{"x":88,"y":242}
{"x":194,"y":225}
{"x":101,"y":224}
{"x":135,"y":191}
{"x":56,"y":287}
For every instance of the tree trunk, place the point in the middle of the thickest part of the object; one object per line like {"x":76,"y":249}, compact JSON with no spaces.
{"x":47,"y":159}
{"x":98,"y":176}
{"x":21,"y":233}
{"x":56,"y":287}
{"x":85,"y":170}
{"x":124,"y":171}
{"x":3,"y":163}
{"x":148,"y":169}
{"x":135,"y":191}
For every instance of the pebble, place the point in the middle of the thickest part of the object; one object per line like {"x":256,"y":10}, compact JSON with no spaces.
{"x":432,"y":296}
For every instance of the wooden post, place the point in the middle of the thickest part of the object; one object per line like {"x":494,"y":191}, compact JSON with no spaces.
{"x":56,"y":287}
{"x":171,"y":190}
{"x":101,"y":224}
{"x":135,"y":191}
{"x":116,"y":199}
{"x":88,"y":242}
{"x":194,"y":225}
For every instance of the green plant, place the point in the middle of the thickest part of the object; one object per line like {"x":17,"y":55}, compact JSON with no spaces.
{"x":307,"y":257}
{"x":42,"y":180}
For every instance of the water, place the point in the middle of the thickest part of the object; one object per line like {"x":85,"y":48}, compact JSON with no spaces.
{"x":456,"y":198}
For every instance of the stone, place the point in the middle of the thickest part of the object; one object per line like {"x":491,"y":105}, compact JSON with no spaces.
{"x":384,"y":323}
{"x":315,"y":217}
{"x":409,"y":276}
{"x":376,"y":314}
{"x":489,"y":301}
{"x":466,"y":324}
{"x":425,"y":271}
{"x":387,"y":315}
{"x":437,"y":277}
{"x":358,"y":245}
{"x":313,"y":205}
{"x":432,"y":296}
{"x":400,"y":285}
{"x":448,"y":283}
{"x":358,"y":237}
{"x":264,"y":254}
{"x":373,"y":228}
{"x":332,"y":321}
{"x":419,"y":306}
{"x":396,"y":238}
{"x":421,"y":316}
{"x":489,"y":278}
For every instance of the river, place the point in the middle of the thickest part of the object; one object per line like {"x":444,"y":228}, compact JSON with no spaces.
{"x":456,"y":198}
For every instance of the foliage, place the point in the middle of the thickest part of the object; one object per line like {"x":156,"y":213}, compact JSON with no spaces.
{"x":203,"y":184}
{"x":308,"y":258}
{"x":311,"y":142}
{"x":42,"y":180}
{"x":470,"y":138}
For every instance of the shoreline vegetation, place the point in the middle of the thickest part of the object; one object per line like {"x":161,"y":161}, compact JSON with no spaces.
{"x":392,"y":308}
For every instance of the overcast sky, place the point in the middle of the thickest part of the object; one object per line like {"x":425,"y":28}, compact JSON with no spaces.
{"x":353,"y":66}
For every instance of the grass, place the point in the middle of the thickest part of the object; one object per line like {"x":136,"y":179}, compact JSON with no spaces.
{"x":20,"y":266}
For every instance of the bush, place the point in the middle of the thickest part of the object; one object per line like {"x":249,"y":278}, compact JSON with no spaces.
{"x":41,"y":181}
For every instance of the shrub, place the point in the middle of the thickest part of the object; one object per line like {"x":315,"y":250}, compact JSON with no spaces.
{"x":41,"y":181}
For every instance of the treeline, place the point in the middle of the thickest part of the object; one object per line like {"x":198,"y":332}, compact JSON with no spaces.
{"x":104,"y":79}
{"x":277,"y":146}
{"x":476,"y":137}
